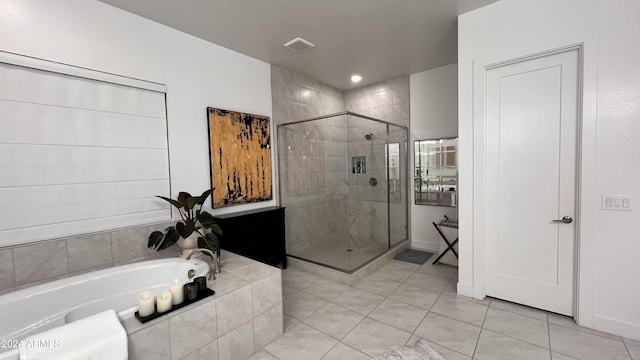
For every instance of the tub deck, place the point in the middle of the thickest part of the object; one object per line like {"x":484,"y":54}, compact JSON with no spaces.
{"x":243,"y":316}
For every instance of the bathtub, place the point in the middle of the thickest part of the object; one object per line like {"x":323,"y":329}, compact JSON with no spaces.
{"x":42,"y":307}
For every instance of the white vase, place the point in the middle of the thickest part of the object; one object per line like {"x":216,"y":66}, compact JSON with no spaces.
{"x":188,"y":245}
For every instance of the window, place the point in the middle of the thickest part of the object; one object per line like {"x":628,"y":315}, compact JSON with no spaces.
{"x":80,"y":151}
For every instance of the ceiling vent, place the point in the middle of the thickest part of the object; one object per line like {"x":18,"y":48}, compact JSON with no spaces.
{"x":299,"y":45}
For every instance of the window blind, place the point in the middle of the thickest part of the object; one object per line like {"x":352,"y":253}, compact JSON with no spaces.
{"x":80,"y":151}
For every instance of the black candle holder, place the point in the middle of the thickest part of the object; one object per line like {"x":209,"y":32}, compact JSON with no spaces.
{"x":190,"y":291}
{"x":198,"y":296}
{"x":201,"y":283}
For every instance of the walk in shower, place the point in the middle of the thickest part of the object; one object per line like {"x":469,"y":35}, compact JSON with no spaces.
{"x":342,"y":178}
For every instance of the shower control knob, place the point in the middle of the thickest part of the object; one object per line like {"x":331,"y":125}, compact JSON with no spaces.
{"x":373,"y":181}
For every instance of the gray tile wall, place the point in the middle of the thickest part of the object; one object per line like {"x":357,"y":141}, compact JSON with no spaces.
{"x":312,"y":161}
{"x":27,"y":265}
{"x":297,"y":97}
{"x":313,"y":183}
{"x":245,"y":315}
{"x":327,"y":206}
{"x":388,"y":101}
{"x":368,"y":204}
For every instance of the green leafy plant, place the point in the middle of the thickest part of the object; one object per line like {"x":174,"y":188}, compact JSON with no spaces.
{"x":194,"y":219}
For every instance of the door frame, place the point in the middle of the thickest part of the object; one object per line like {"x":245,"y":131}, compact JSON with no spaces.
{"x":585,"y":171}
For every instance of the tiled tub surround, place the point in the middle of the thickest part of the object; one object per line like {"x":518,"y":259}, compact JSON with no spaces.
{"x":245,"y":315}
{"x":30,"y":311}
{"x":27,"y":265}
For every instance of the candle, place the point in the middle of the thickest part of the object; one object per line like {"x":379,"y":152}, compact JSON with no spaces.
{"x":191,"y":291}
{"x":201,"y":281}
{"x":164,"y":301}
{"x":146,"y":304}
{"x":177,"y":292}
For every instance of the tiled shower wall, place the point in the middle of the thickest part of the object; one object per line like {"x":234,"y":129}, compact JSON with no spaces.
{"x":313,"y":167}
{"x":297,"y":97}
{"x":388,"y":101}
{"x":26,"y":265}
{"x":315,"y":187}
{"x":312,"y":161}
{"x":367,"y":203}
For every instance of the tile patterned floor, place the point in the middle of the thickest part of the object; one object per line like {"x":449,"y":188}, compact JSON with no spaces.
{"x":403,"y":302}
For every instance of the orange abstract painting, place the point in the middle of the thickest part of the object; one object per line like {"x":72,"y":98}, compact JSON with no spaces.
{"x":240,"y":151}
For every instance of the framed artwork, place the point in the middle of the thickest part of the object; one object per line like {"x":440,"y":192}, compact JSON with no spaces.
{"x":240,"y":154}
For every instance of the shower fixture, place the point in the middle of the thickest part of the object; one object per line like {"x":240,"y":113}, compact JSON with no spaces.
{"x":368,"y":136}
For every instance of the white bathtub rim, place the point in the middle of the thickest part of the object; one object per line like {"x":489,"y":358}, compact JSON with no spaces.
{"x":58,"y":318}
{"x":56,"y":284}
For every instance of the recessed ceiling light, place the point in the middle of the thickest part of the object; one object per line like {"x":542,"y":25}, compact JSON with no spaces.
{"x":356,"y":78}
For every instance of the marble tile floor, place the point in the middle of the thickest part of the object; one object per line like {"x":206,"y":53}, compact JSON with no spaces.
{"x":403,"y":302}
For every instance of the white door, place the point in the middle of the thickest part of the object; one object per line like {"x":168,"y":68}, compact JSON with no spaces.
{"x":531,"y":148}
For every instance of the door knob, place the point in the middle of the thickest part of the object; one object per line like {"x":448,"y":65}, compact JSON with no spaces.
{"x":565,"y":219}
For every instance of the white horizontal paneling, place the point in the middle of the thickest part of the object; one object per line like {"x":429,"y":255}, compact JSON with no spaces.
{"x":78,"y":155}
{"x":16,"y":155}
{"x":43,"y":87}
{"x":65,"y":213}
{"x":38,"y":176}
{"x":28,"y":123}
{"x":52,"y":196}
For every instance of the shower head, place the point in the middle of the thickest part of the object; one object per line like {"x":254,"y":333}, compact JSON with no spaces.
{"x":368,"y":136}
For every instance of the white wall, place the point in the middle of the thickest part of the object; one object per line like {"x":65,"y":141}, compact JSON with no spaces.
{"x":609,"y":286}
{"x":197,"y":74}
{"x":434,"y":115}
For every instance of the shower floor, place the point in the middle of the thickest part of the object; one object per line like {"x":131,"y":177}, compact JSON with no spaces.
{"x":338,"y":257}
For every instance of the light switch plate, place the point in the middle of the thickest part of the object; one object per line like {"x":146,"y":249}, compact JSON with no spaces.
{"x":617,"y":202}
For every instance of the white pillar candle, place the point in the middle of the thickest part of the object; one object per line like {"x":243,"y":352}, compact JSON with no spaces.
{"x":164,"y":301}
{"x":146,"y":304}
{"x":177,"y":292}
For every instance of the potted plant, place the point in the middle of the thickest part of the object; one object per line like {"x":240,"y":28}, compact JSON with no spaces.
{"x":190,"y":233}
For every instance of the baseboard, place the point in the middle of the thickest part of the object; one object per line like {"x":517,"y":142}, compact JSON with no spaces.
{"x":616,"y":327}
{"x":465,"y":289}
{"x":434,"y":247}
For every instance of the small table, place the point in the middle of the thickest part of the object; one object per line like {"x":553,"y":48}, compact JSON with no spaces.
{"x":450,"y":245}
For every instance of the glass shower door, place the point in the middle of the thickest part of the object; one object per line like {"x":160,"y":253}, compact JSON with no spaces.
{"x":368,"y":187}
{"x":343,"y":181}
{"x":313,"y":188}
{"x":398,"y":204}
